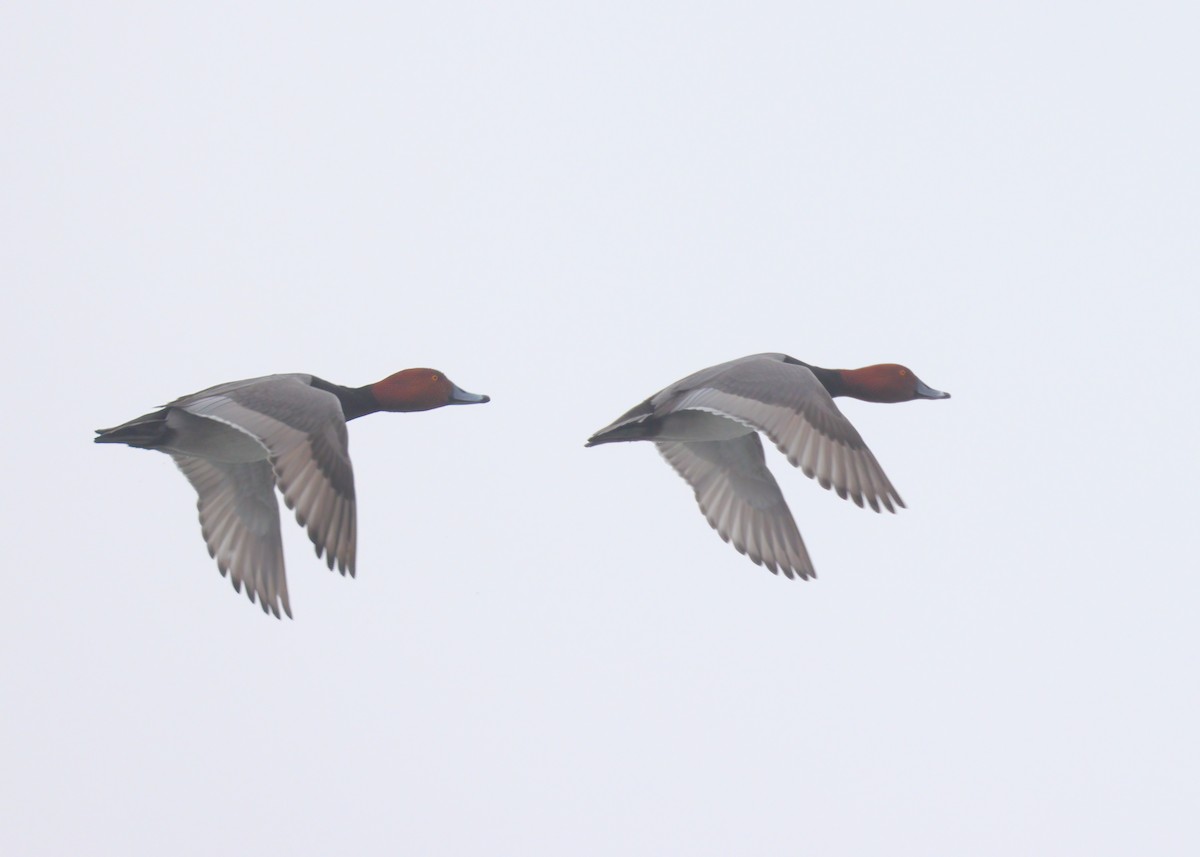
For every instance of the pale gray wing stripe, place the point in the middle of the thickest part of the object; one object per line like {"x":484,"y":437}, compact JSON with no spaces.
{"x":741,"y":500}
{"x":323,"y":511}
{"x":321,"y":494}
{"x":820,"y":455}
{"x":863,"y":487}
{"x":239,"y":518}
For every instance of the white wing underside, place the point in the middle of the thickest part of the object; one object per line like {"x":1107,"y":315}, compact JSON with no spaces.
{"x":741,"y":500}
{"x":302,"y":432}
{"x":311,"y":467}
{"x":239,"y":517}
{"x":834,"y":454}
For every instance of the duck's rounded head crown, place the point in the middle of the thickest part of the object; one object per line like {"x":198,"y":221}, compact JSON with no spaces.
{"x":421,"y":390}
{"x":887,"y":383}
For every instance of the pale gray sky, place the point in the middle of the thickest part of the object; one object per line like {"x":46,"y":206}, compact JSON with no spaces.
{"x":547,"y":650}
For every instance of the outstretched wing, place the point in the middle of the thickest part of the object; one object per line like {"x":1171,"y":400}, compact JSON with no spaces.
{"x":787,"y":403}
{"x":741,"y":500}
{"x":304,"y":431}
{"x":239,"y":518}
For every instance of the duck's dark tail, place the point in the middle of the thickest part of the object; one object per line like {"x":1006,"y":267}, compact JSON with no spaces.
{"x":640,"y":430}
{"x":146,"y":432}
{"x":637,"y":423}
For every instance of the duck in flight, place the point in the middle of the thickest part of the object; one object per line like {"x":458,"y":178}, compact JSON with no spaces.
{"x":237,"y":442}
{"x":707,"y":427}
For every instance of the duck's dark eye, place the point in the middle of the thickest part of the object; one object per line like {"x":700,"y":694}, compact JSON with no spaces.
{"x":433,"y":377}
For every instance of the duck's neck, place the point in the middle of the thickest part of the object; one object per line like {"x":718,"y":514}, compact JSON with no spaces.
{"x":833,"y":380}
{"x":356,"y":401}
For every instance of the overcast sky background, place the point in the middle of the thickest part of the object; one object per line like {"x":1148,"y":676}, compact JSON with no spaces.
{"x":547,"y":650}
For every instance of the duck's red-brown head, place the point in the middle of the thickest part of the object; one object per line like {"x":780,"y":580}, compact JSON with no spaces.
{"x":887,"y":383}
{"x":421,"y":390}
